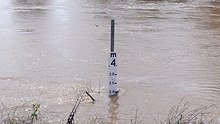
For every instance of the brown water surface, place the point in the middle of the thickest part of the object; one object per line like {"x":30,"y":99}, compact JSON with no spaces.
{"x":167,"y":50}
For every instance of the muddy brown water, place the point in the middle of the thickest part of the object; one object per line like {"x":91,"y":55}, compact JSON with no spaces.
{"x":167,"y":50}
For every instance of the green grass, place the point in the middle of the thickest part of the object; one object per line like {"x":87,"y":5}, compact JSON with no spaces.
{"x":21,"y":114}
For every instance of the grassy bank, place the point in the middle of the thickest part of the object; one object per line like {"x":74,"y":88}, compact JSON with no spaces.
{"x":178,"y":114}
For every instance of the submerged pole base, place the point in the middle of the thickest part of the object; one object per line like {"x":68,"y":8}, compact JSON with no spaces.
{"x":114,"y":93}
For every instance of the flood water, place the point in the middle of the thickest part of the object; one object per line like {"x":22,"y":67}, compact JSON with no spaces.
{"x":166,"y":50}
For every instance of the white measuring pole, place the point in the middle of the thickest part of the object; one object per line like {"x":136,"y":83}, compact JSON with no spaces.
{"x":113,"y":89}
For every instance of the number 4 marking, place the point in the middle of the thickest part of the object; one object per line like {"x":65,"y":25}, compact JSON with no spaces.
{"x":113,"y":62}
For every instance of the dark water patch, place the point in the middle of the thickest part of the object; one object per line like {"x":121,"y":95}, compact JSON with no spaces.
{"x":31,"y":9}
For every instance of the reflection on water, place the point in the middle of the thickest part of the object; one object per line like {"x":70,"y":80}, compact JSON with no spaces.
{"x":168,"y":49}
{"x":113,"y":110}
{"x":211,"y":17}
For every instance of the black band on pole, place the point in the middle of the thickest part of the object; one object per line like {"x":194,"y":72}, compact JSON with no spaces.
{"x":112,"y":34}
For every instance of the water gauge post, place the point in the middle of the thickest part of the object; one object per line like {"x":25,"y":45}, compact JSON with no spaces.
{"x":113,"y":90}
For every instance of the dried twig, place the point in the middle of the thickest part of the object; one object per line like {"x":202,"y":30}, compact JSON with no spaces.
{"x":71,"y":116}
